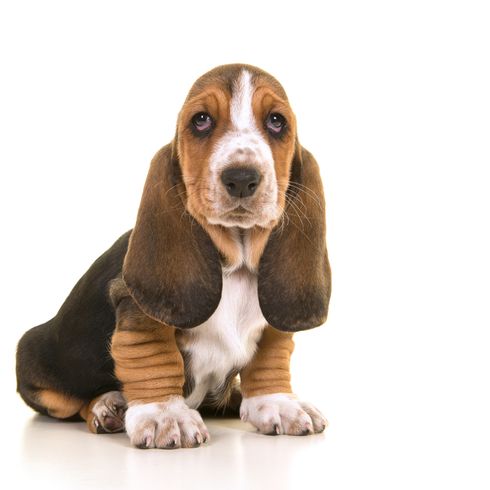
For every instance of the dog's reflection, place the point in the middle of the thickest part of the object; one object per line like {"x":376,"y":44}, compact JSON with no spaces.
{"x":65,"y":453}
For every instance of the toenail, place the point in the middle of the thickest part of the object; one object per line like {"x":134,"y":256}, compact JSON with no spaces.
{"x":171,"y":444}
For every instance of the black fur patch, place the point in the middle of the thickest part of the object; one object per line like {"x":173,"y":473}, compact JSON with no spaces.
{"x":70,"y":353}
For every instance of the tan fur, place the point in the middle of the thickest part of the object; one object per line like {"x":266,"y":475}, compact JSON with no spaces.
{"x":224,"y":241}
{"x":268,"y":372}
{"x":59,"y":405}
{"x":147,"y":360}
{"x":86,"y":408}
{"x":258,"y":241}
{"x":87,"y":414}
{"x":194,"y":153}
{"x":269,"y":98}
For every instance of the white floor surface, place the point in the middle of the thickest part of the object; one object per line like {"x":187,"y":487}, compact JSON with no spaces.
{"x":52,"y":454}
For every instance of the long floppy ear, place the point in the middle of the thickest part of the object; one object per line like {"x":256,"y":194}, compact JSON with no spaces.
{"x":294,"y":274}
{"x":172,"y":269}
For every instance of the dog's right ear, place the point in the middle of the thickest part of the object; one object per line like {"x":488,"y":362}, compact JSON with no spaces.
{"x":172,"y":268}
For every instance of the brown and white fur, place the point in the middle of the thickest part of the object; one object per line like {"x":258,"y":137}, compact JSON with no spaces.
{"x":226,"y":261}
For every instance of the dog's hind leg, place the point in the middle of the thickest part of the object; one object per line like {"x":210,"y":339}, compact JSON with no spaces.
{"x":57,"y":404}
{"x":43,"y":387}
{"x":104,"y":414}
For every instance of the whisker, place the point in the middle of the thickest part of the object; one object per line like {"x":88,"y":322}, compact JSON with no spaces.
{"x":303,"y":188}
{"x":298,"y":213}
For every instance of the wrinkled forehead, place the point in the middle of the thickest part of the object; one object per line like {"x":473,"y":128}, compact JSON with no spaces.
{"x":229,"y":78}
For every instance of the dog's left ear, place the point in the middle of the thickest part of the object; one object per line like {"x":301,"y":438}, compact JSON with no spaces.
{"x":172,"y":268}
{"x":294,"y":273}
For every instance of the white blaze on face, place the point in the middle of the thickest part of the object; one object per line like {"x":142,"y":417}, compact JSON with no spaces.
{"x":244,"y":145}
{"x":241,"y":111}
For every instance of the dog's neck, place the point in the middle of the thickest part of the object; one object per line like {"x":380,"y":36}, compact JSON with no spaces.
{"x":239,"y":247}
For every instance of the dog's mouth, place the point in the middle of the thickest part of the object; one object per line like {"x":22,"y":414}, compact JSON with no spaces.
{"x":260,"y":210}
{"x":239,"y":212}
{"x":242,"y":217}
{"x":239,"y":216}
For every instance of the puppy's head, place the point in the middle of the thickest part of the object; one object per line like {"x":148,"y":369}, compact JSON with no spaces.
{"x":235,"y":140}
{"x":235,"y":163}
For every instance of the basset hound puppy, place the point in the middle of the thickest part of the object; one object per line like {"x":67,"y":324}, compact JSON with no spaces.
{"x":226,"y":261}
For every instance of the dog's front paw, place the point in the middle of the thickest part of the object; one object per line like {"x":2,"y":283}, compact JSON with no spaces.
{"x":166,"y":425}
{"x":282,"y":413}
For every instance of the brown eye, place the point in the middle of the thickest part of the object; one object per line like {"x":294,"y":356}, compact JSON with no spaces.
{"x":202,"y":121}
{"x":275,"y":123}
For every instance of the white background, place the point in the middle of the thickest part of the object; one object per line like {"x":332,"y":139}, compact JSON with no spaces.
{"x":393,"y":99}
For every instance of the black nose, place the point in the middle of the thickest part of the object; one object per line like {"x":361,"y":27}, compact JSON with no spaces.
{"x":240,"y":181}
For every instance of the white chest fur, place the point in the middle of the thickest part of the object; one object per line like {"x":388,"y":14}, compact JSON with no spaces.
{"x":228,"y":339}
